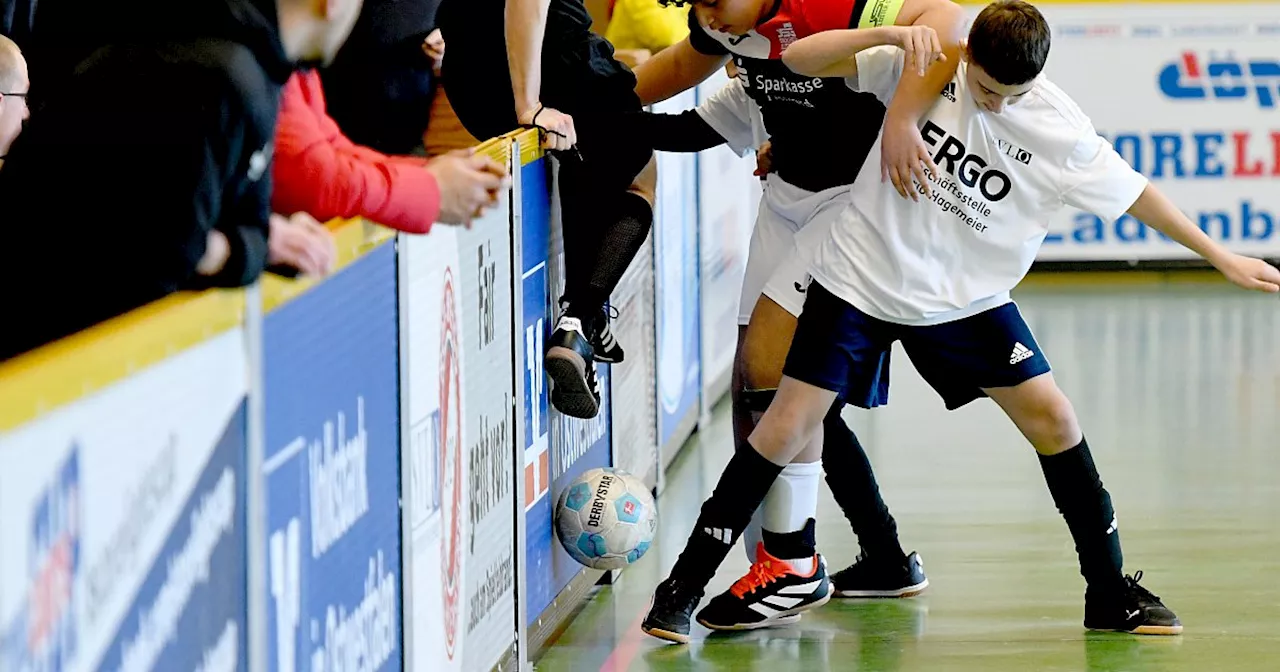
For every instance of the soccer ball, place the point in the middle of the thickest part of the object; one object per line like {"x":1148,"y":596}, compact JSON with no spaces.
{"x":606,"y":519}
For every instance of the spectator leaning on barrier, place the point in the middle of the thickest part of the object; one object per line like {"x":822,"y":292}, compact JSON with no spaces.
{"x":537,"y":63}
{"x":320,"y":171}
{"x":147,"y":170}
{"x":14,"y":86}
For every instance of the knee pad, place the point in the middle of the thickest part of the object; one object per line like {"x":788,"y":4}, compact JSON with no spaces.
{"x":757,"y":400}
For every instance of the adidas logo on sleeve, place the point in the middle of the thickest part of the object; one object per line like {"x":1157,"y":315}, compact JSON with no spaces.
{"x":1021,"y":353}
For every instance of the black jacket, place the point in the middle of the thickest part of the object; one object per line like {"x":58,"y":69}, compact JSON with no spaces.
{"x":156,"y":128}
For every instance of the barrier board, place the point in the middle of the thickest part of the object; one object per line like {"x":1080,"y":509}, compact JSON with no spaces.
{"x":634,"y":422}
{"x":457,"y":345}
{"x":728,"y":198}
{"x":331,"y":472}
{"x":676,"y":291}
{"x":573,"y":445}
{"x":122,"y":512}
{"x":1192,"y":100}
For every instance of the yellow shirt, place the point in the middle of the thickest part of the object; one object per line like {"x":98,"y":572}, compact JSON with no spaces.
{"x":645,"y":24}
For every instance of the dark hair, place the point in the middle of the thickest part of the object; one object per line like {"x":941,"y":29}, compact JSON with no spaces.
{"x":1010,"y":41}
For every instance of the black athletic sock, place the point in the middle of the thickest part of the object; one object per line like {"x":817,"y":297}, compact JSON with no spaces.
{"x":742,"y":487}
{"x":1077,"y":491}
{"x":796,"y":545}
{"x":853,"y":483}
{"x":630,"y":218}
{"x":581,"y":235}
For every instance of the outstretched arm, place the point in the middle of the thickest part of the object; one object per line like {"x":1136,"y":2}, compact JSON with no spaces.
{"x":674,"y":70}
{"x":1156,"y":210}
{"x":834,"y":53}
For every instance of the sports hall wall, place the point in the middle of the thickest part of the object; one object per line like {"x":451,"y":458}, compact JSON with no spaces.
{"x":360,"y":473}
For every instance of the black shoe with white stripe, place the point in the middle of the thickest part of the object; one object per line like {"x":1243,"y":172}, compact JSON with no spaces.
{"x":570,"y":365}
{"x":771,"y":593}
{"x":1131,"y":608}
{"x":872,"y":577}
{"x":672,"y":608}
{"x":603,"y":343}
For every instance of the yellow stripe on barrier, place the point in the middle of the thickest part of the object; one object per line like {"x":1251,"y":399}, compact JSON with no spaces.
{"x":498,"y":149}
{"x":78,"y":365}
{"x":530,"y":146}
{"x":353,"y":239}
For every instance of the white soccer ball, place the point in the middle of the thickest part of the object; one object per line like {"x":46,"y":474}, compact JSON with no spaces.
{"x":606,"y":519}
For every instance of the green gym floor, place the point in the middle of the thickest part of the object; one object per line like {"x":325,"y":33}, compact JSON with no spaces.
{"x":1177,"y":383}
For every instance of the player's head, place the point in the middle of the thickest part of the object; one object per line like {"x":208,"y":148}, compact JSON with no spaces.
{"x":313,"y":31}
{"x":1007,"y":47}
{"x":13,"y":93}
{"x":735,"y":17}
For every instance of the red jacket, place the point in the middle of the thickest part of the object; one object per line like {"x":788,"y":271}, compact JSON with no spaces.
{"x":319,"y":171}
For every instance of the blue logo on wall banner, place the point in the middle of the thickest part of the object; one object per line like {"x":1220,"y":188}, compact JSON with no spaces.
{"x":1223,"y":78}
{"x":46,"y":638}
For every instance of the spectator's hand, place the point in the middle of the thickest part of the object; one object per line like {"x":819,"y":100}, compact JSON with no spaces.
{"x":470,"y":183}
{"x":764,"y":160}
{"x":301,"y":242}
{"x":1250,"y":273}
{"x":556,"y":126}
{"x":903,"y":155}
{"x":433,"y":47}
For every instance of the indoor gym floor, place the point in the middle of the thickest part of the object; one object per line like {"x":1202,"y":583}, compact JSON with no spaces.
{"x":1177,"y":383}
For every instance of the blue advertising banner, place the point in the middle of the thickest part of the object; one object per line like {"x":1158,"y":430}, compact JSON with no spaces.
{"x":332,"y":473}
{"x":557,"y":448}
{"x":676,"y":288}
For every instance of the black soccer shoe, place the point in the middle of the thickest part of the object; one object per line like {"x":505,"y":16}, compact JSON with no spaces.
{"x":569,"y":363}
{"x":1134,"y":609}
{"x":869,"y":577}
{"x":672,"y":608}
{"x":771,"y":593}
{"x":606,"y":347}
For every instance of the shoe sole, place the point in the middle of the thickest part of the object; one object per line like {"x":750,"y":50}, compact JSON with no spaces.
{"x":1149,"y":630}
{"x":570,"y":392}
{"x":902,"y":593}
{"x":785,"y":618}
{"x":667,"y":635}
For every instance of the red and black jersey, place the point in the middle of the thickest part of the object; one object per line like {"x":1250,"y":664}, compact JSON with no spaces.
{"x":820,"y":129}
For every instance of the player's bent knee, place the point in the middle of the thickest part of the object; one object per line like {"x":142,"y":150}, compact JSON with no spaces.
{"x":1043,"y":412}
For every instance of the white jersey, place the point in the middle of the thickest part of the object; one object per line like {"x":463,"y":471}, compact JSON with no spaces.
{"x":737,"y":118}
{"x":1002,"y":178}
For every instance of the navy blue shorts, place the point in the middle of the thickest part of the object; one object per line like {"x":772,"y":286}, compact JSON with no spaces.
{"x":840,"y":348}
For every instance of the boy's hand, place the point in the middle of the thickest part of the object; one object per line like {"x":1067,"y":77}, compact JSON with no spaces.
{"x":764,"y":160}
{"x":922,"y":46}
{"x":1250,"y":273}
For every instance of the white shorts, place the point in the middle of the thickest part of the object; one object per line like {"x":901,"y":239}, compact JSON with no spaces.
{"x":775,"y":267}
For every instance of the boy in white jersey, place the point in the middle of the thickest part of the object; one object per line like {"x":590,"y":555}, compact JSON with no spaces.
{"x":1011,"y":149}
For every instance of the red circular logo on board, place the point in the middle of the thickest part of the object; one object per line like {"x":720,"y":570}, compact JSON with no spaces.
{"x":451,"y":461}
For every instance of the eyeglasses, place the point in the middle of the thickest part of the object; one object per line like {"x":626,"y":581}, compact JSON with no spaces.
{"x":14,"y":94}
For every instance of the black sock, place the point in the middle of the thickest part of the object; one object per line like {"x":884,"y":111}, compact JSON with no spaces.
{"x":796,"y":545}
{"x":852,"y":482}
{"x":1077,"y":491}
{"x":742,"y":487}
{"x":630,"y":217}
{"x":582,"y":236}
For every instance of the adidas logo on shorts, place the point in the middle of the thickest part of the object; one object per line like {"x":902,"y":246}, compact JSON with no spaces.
{"x":1020,"y":353}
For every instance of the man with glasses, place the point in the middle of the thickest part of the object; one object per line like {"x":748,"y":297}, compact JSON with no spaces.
{"x":13,"y":94}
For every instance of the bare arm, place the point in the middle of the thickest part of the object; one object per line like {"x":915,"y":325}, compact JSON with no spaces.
{"x":904,"y":154}
{"x":834,"y":53}
{"x":1156,"y":210}
{"x":673,"y":70}
{"x":526,"y":23}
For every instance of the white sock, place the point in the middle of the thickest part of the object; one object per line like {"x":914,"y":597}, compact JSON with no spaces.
{"x":753,"y":535}
{"x":791,"y":502}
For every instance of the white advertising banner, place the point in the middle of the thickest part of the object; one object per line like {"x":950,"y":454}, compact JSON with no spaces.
{"x":728,"y":197}
{"x":461,"y":449}
{"x":122,"y":523}
{"x":1190,"y":96}
{"x":635,"y":424}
